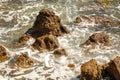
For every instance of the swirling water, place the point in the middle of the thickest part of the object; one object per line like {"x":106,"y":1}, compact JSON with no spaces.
{"x":16,"y":16}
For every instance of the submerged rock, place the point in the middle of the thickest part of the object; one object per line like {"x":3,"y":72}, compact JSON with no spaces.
{"x":101,"y":20}
{"x":91,"y":71}
{"x":113,"y":68}
{"x":46,"y":42}
{"x":78,"y":20}
{"x":60,"y":52}
{"x":23,"y":61}
{"x":98,"y":38}
{"x":49,"y":23}
{"x":3,"y":54}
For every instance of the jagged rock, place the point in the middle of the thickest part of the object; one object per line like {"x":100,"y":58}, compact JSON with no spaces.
{"x":46,"y":42}
{"x":98,"y":38}
{"x":91,"y":71}
{"x":60,"y":52}
{"x":113,"y":68}
{"x":23,"y":61}
{"x":49,"y":23}
{"x":3,"y":54}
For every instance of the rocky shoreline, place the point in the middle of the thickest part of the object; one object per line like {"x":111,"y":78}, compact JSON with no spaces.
{"x":47,"y":27}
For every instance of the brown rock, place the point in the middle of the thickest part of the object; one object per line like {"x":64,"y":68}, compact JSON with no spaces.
{"x":78,"y":20}
{"x":101,"y":20}
{"x":24,"y":61}
{"x":91,"y":70}
{"x":60,"y":52}
{"x":46,"y":42}
{"x":98,"y":38}
{"x":113,"y":68}
{"x":71,"y":66}
{"x":3,"y":54}
{"x":22,"y":40}
{"x":47,"y":22}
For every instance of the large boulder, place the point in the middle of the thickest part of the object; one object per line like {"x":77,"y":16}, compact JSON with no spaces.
{"x":47,"y":22}
{"x":113,"y":68}
{"x":46,"y":42}
{"x":3,"y":54}
{"x":98,"y":38}
{"x":91,"y":71}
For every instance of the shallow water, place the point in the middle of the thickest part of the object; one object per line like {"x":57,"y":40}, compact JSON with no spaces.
{"x":17,"y":16}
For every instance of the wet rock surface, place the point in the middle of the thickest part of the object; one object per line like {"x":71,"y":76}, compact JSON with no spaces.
{"x":101,"y":20}
{"x":98,"y":38}
{"x":47,"y":22}
{"x":22,"y":61}
{"x":46,"y":42}
{"x":60,"y":52}
{"x":23,"y":40}
{"x":3,"y":54}
{"x":113,"y":68}
{"x":91,"y":71}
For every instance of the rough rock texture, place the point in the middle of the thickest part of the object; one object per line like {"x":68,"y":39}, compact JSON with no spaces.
{"x":60,"y":52}
{"x":46,"y":42}
{"x":47,"y":22}
{"x":22,"y":40}
{"x":98,"y":38}
{"x":91,"y":71}
{"x":113,"y":68}
{"x":102,"y":20}
{"x":3,"y":54}
{"x":24,"y":61}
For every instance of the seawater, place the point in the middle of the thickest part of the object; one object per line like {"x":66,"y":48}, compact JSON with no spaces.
{"x":19,"y":16}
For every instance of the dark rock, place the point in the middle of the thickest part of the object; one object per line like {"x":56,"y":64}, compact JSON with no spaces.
{"x":60,"y":52}
{"x":3,"y":54}
{"x":98,"y":38}
{"x":91,"y":71}
{"x":46,"y":42}
{"x":49,"y":23}
{"x":113,"y":68}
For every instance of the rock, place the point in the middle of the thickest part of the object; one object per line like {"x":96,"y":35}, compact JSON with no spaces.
{"x":23,"y":40}
{"x":23,"y":61}
{"x":101,"y":20}
{"x":71,"y":66}
{"x":78,"y":20}
{"x":113,"y":68}
{"x":60,"y":52}
{"x":49,"y":23}
{"x":46,"y":42}
{"x":98,"y":38}
{"x":3,"y":54}
{"x":91,"y":71}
